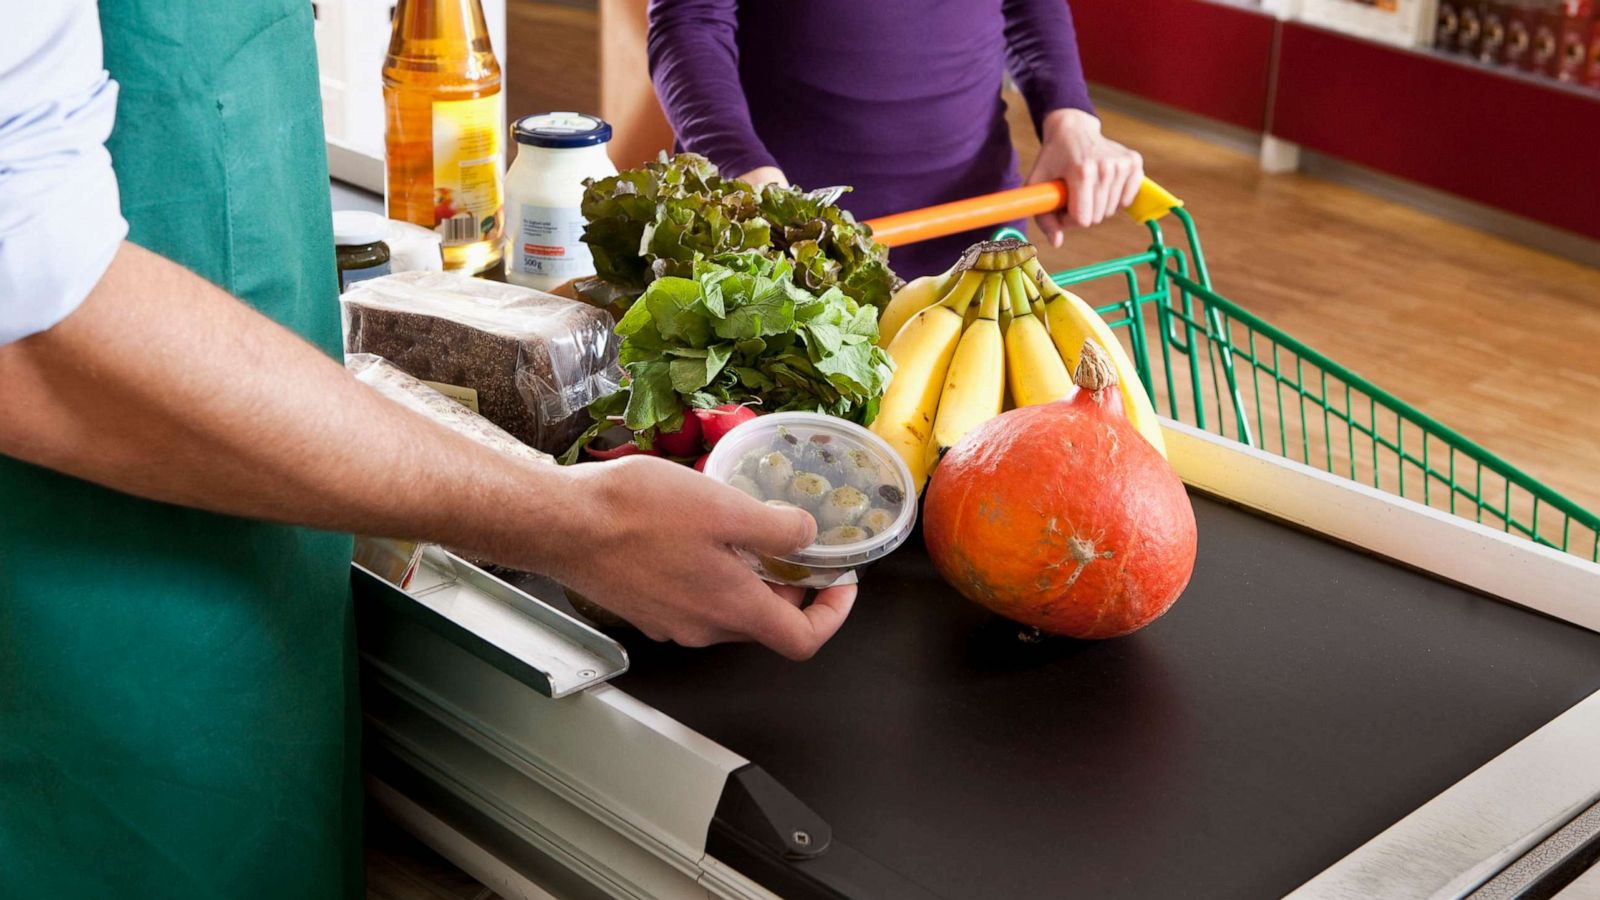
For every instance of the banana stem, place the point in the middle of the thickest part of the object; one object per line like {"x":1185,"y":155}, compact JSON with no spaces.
{"x":993,"y":293}
{"x":996,"y":260}
{"x":997,"y":256}
{"x":1017,"y":289}
{"x":1041,"y":279}
{"x":962,"y":292}
{"x":1033,"y":293}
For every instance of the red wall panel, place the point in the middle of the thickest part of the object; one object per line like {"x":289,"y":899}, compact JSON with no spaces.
{"x":1202,"y":57}
{"x":1507,"y":142}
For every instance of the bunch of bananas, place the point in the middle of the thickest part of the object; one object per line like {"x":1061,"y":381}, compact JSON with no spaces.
{"x":992,"y":332}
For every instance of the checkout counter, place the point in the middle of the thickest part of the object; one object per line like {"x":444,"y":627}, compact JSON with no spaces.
{"x":1356,"y":697}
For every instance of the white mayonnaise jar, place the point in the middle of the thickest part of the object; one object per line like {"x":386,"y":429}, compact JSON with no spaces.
{"x":544,"y":189}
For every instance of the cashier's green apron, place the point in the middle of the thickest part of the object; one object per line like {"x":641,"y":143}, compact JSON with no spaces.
{"x":176,"y":707}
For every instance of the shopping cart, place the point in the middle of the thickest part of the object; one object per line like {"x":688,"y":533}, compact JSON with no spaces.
{"x":1212,"y":363}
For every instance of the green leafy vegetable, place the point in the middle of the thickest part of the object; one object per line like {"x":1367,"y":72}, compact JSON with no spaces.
{"x":741,"y":330}
{"x":658,"y":220}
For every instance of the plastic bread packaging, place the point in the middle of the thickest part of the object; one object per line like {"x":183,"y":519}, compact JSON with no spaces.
{"x":413,"y":248}
{"x":530,"y":361}
{"x":382,"y":376}
{"x":396,"y":560}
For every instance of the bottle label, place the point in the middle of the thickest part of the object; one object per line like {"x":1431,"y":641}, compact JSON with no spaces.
{"x":466,"y":169}
{"x":548,"y":242}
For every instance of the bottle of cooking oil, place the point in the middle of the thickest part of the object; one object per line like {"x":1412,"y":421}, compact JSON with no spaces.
{"x":444,"y":127}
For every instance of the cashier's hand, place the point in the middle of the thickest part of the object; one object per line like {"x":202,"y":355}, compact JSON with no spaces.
{"x":1102,"y":176}
{"x":658,"y":551}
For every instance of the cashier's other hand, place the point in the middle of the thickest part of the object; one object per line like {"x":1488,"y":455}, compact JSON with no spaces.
{"x":1102,"y":176}
{"x":765,"y":175}
{"x":659,"y":553}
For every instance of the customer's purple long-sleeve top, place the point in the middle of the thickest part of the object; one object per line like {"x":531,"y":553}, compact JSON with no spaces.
{"x":899,"y":98}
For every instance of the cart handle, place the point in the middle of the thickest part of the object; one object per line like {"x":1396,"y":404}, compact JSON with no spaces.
{"x":1152,"y":202}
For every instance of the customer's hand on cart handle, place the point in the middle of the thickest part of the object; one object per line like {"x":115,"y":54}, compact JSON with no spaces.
{"x":653,"y":542}
{"x":1102,"y":176}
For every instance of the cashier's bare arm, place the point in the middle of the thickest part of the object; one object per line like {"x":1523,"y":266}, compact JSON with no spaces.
{"x":162,"y":385}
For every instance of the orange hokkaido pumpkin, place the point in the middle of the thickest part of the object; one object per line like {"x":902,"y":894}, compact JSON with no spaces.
{"x":1061,"y":516}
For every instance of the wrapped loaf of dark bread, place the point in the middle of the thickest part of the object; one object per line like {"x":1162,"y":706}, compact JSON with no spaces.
{"x":528,"y":361}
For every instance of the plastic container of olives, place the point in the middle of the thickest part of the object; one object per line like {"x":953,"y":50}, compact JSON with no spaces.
{"x":855,"y":486}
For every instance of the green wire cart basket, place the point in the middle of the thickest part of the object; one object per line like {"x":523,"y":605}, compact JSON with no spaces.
{"x":1213,"y":364}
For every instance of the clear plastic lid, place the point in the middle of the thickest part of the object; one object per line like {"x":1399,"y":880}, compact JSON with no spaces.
{"x":849,"y":479}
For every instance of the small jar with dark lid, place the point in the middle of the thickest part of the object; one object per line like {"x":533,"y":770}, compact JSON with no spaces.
{"x":359,"y":246}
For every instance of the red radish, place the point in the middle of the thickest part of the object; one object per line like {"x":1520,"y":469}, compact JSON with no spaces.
{"x":619,"y":451}
{"x":615,"y":443}
{"x":714,"y":423}
{"x":700,"y":464}
{"x":1062,"y":516}
{"x":683,"y":442}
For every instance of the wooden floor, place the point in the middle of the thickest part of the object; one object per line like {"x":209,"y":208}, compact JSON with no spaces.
{"x":1497,"y":341}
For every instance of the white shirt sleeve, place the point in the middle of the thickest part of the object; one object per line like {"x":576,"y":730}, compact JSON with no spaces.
{"x":60,"y":213}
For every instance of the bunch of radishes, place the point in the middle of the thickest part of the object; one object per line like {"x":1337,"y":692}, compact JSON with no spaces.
{"x":702,"y":429}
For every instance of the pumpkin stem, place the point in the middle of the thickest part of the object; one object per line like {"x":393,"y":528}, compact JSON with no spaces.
{"x":1095,"y":371}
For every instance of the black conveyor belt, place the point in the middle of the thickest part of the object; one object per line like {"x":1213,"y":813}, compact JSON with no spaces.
{"x":1300,"y":698}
